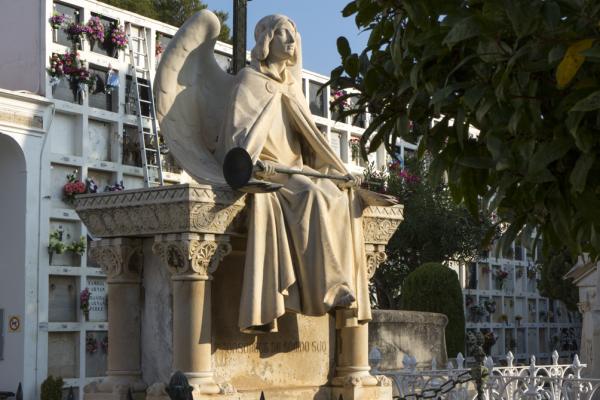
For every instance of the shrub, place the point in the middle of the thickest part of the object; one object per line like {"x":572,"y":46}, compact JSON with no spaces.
{"x":433,"y":287}
{"x":52,"y":388}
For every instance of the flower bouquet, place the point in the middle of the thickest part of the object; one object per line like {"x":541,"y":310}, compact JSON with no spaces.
{"x":354,"y":143}
{"x":75,"y":32}
{"x":95,"y":31}
{"x":117,"y":38}
{"x":79,"y":76}
{"x":72,"y":188}
{"x":84,"y":303}
{"x":91,"y":345}
{"x":57,"y":20}
{"x":77,"y":247}
{"x":117,"y":187}
{"x":56,"y":69}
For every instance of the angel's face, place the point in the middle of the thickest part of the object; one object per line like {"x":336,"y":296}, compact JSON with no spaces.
{"x":283,"y":44}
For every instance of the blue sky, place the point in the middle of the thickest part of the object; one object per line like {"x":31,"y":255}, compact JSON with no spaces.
{"x":320,"y":22}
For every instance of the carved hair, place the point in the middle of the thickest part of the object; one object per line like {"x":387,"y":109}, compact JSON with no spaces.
{"x":263,"y":34}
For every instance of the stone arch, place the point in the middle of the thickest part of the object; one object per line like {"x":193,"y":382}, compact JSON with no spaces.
{"x":13,"y":182}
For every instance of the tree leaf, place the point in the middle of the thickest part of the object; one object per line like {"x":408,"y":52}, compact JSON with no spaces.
{"x":351,"y":64}
{"x":580,"y":172}
{"x":462,"y":30}
{"x":547,"y":153}
{"x":349,"y":9}
{"x":590,"y":103}
{"x":343,"y":47}
{"x":551,"y":12}
{"x":571,"y":62}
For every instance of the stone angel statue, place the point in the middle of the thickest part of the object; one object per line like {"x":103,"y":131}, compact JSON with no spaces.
{"x":305,"y":250}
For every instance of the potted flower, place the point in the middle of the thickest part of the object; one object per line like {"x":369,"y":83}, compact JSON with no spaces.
{"x":72,"y":188}
{"x":95,"y":31}
{"x":117,"y":39}
{"x":531,"y":272}
{"x":55,"y":244}
{"x":84,"y":303}
{"x":77,"y":247}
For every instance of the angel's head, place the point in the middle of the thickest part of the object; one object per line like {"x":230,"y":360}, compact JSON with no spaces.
{"x":276,"y":40}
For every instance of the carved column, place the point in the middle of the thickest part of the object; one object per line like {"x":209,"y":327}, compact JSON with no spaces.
{"x":353,"y":370}
{"x":121,"y":259}
{"x":191,"y":259}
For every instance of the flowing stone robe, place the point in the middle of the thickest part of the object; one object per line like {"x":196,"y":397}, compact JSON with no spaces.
{"x":305,"y":244}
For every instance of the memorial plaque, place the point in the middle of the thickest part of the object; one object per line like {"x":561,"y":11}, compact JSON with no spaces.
{"x":97,"y":288}
{"x":299,"y":355}
{"x":63,"y":294}
{"x":63,"y":354}
{"x":96,"y":350}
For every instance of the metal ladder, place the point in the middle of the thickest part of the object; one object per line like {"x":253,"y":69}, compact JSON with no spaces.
{"x":147,"y":126}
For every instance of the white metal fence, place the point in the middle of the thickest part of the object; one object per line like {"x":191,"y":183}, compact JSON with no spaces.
{"x":536,"y":382}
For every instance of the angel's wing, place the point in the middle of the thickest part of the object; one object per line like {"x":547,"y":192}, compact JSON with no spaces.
{"x":191,"y":93}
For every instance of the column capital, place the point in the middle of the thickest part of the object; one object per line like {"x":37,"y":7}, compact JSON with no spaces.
{"x":191,"y":256}
{"x":120,"y":258}
{"x":375,"y":256}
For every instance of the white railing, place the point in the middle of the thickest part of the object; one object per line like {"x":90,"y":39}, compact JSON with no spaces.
{"x":544,"y":382}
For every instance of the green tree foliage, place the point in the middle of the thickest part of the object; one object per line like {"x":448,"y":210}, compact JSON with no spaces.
{"x":524,"y":73}
{"x":553,"y":285}
{"x":172,"y":12}
{"x":435,"y":229}
{"x":51,"y":388}
{"x":435,"y":288}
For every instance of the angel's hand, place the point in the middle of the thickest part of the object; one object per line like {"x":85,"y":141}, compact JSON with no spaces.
{"x":352,"y":181}
{"x":267,"y":169}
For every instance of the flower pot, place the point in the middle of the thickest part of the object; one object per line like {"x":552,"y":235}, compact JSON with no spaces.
{"x":55,"y":35}
{"x":92,"y":44}
{"x":86,"y":315}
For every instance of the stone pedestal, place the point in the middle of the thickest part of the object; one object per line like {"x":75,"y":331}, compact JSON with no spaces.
{"x":191,"y":229}
{"x":121,"y":259}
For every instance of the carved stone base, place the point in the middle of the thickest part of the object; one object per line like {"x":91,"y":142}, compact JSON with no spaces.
{"x":109,"y":390}
{"x":156,"y":392}
{"x":371,"y":387}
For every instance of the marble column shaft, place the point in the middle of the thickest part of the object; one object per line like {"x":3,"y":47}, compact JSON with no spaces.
{"x":191,"y":259}
{"x":121,"y":259}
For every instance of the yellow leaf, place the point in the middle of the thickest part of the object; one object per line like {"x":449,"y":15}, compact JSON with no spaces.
{"x":571,"y":62}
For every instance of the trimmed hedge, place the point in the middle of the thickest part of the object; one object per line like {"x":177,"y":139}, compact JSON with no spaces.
{"x":433,"y":287}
